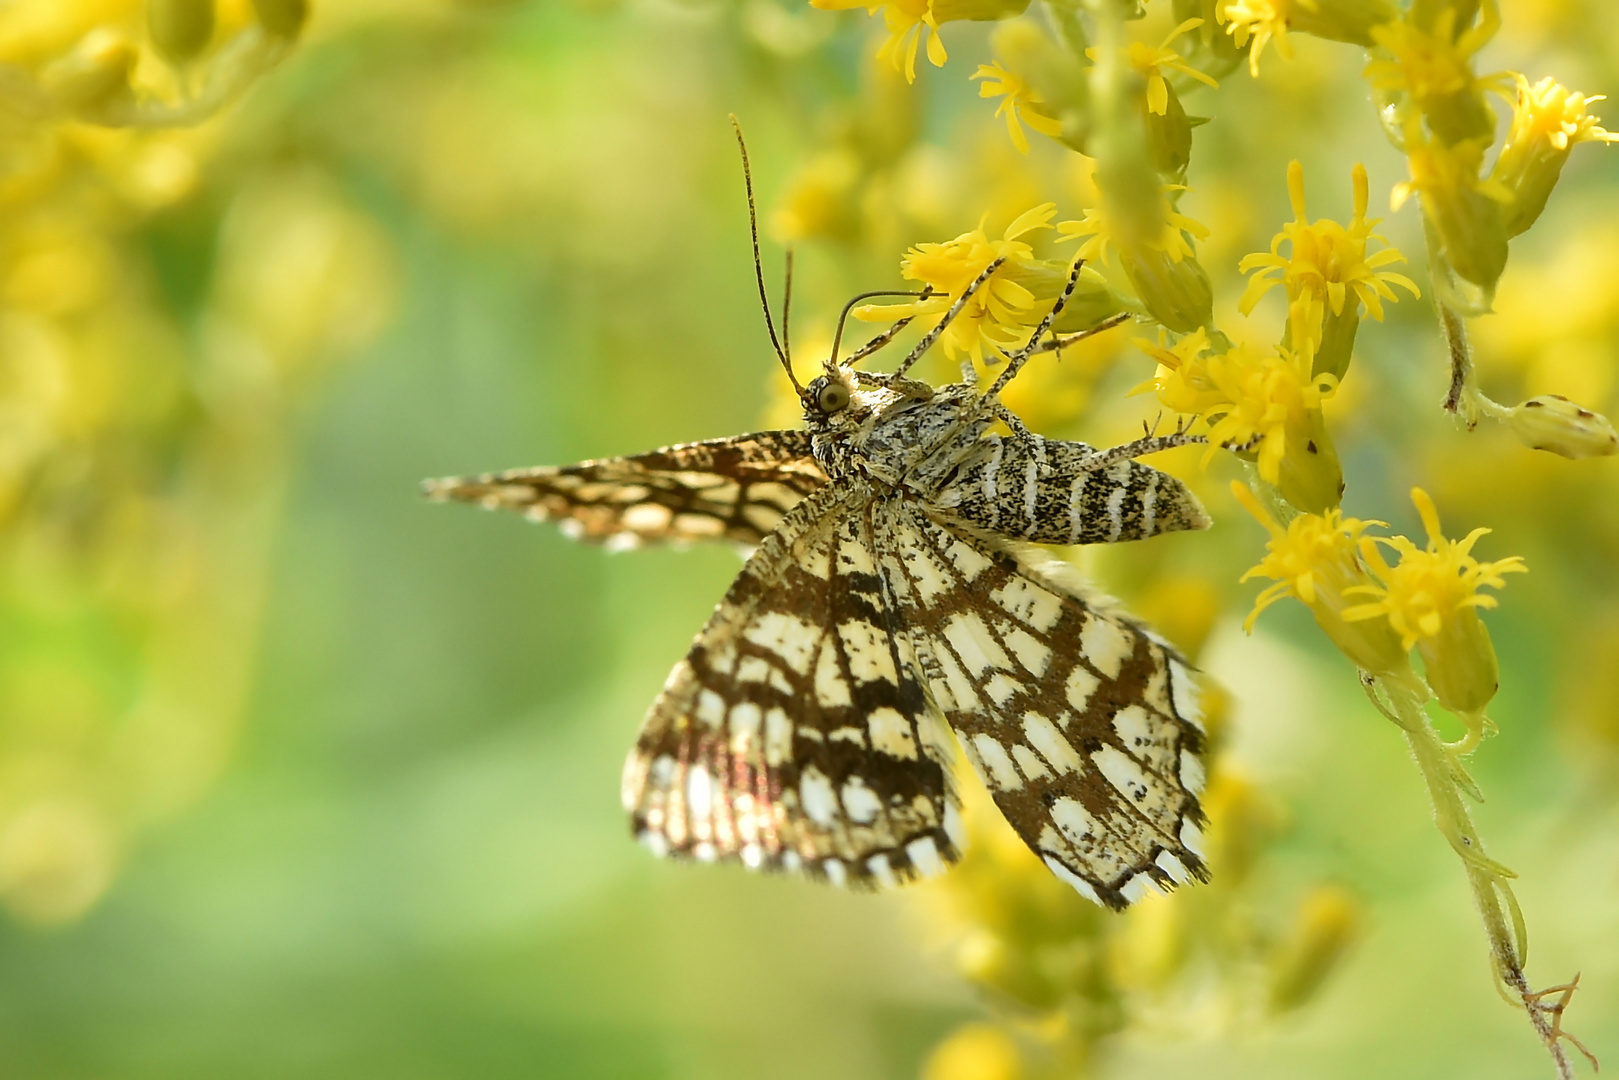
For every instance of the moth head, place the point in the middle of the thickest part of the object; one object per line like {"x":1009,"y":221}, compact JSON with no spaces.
{"x":827,"y":397}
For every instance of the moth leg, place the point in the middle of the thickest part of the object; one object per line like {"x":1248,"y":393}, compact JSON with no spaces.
{"x":1035,"y":443}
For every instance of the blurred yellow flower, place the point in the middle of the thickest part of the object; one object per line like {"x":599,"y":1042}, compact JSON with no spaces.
{"x":1020,"y":104}
{"x":910,"y":22}
{"x":1325,"y":265}
{"x":1104,"y":231}
{"x":1150,"y":62}
{"x":975,"y":1052}
{"x":1262,"y":20}
{"x":1433,"y":65}
{"x":1002,"y":312}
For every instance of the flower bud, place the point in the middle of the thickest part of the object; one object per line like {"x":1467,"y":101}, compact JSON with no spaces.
{"x":94,"y":75}
{"x":1091,"y":301}
{"x":1176,"y":292}
{"x":1327,"y":923}
{"x":282,"y":18}
{"x":180,"y":29}
{"x":1311,"y":477}
{"x":1552,"y":422}
{"x":1459,"y":662}
{"x":1337,"y":345}
{"x":1169,"y":134}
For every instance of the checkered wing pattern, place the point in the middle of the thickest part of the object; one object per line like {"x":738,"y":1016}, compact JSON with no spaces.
{"x":734,"y":489}
{"x":1083,"y":726}
{"x":795,"y":734}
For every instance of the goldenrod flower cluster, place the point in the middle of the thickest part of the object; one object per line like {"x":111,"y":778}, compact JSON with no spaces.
{"x":140,"y":444}
{"x":1113,"y":99}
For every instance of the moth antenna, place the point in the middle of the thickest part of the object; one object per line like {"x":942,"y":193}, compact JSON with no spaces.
{"x":758,"y":263}
{"x":787,"y":313}
{"x":837,"y":338}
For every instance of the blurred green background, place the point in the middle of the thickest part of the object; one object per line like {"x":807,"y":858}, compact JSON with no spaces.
{"x":301,"y":775}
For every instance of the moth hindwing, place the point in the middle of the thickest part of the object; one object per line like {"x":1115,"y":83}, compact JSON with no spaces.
{"x":894,"y":610}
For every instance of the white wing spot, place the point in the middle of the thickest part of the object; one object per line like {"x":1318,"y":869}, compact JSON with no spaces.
{"x":891,"y":733}
{"x":699,"y":525}
{"x":878,"y":866}
{"x":1028,"y":603}
{"x":1184,"y":693}
{"x":831,"y":689}
{"x":1000,"y":772}
{"x":647,"y":517}
{"x":1105,"y":644}
{"x":753,"y":669}
{"x":1171,"y":865}
{"x":1030,"y":763}
{"x":853,"y":557}
{"x":1033,"y":654}
{"x":699,"y":793}
{"x":932,"y":580}
{"x":968,"y":561}
{"x":1081,"y":886}
{"x":710,"y":708}
{"x":788,"y":636}
{"x":1139,"y":886}
{"x":924,"y":855}
{"x":815,"y":791}
{"x":860,"y":802}
{"x":778,"y":738}
{"x":835,"y":872}
{"x":1075,"y":822}
{"x":971,"y":640}
{"x":1192,"y":774}
{"x":868,"y":650}
{"x":1081,"y":685}
{"x":1002,"y":688}
{"x":1044,"y":737}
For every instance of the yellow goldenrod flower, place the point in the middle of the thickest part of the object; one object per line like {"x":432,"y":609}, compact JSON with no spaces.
{"x":1316,"y":559}
{"x":1433,"y":66}
{"x":1466,"y":210}
{"x":1103,"y":228}
{"x":1548,"y":120}
{"x":1431,"y":599}
{"x":1554,"y":423}
{"x":1150,"y":62}
{"x":1247,"y":397}
{"x":975,"y":1052}
{"x":910,"y":22}
{"x":1326,"y":266}
{"x":819,"y":201}
{"x":1003,"y":311}
{"x":1326,"y":924}
{"x":1262,"y":20}
{"x":1020,"y":104}
{"x":1157,"y":257}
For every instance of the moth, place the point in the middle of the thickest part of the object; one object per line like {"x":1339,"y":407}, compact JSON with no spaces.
{"x":897,"y":613}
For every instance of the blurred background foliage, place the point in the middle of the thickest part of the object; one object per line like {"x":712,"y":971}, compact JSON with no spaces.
{"x":300,"y":775}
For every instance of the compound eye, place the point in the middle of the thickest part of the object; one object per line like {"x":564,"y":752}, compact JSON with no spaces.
{"x":834,"y":397}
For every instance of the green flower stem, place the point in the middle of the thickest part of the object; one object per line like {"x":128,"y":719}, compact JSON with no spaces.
{"x":1489,"y":880}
